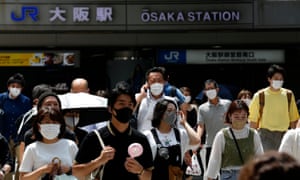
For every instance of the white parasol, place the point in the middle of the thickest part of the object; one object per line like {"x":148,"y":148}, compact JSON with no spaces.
{"x":82,"y":100}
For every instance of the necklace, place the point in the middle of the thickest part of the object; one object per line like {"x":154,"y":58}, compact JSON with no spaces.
{"x":167,"y":140}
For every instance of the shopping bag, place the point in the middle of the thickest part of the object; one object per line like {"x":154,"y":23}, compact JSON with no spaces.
{"x":194,"y":169}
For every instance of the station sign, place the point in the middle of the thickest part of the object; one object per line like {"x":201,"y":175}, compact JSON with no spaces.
{"x":248,"y":56}
{"x":122,"y":16}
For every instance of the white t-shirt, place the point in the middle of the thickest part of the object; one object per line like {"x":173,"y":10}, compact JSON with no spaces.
{"x":290,"y":143}
{"x":38,"y":154}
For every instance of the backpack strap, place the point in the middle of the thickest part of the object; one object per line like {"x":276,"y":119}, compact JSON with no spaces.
{"x":177,"y":134}
{"x":289,"y":98}
{"x":261,"y":105}
{"x":153,"y":131}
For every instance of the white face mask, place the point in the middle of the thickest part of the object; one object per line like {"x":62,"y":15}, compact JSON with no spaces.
{"x":156,"y":89}
{"x":72,"y":121}
{"x":277,"y":84}
{"x":15,"y":92}
{"x":49,"y":131}
{"x":211,"y":94}
{"x":187,"y":99}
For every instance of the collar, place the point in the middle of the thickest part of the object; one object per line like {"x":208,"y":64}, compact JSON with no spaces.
{"x":115,"y":132}
{"x":150,"y":97}
{"x":268,"y":89}
{"x":211,"y":104}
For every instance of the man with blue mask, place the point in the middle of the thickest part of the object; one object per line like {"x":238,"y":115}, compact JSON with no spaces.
{"x":273,"y":110}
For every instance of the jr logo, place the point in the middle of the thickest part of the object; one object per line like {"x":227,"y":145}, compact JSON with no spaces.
{"x":173,"y":55}
{"x":30,"y":11}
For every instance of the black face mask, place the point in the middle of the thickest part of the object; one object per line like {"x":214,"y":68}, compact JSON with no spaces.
{"x":123,"y":114}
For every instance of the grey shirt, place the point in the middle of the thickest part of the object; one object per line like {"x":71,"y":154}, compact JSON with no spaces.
{"x":213,"y":117}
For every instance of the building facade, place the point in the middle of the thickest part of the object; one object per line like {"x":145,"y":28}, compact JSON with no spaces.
{"x":232,"y":41}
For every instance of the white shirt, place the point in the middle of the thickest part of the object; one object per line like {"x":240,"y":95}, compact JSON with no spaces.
{"x":145,"y":111}
{"x":215,"y":159}
{"x":290,"y":143}
{"x":38,"y":154}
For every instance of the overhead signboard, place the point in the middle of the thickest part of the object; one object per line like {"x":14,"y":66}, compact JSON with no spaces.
{"x":122,"y":16}
{"x":57,"y":17}
{"x":40,"y":59}
{"x":190,"y":16}
{"x":220,"y":56}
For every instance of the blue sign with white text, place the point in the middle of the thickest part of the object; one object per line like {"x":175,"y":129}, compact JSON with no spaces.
{"x":26,"y":11}
{"x":171,"y":57}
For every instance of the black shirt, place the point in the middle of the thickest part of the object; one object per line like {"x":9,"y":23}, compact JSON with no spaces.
{"x":114,"y":169}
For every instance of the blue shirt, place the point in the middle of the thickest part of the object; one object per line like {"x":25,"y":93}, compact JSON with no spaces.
{"x":178,"y":95}
{"x":12,"y":108}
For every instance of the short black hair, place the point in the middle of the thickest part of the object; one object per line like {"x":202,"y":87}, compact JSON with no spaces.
{"x":273,"y":69}
{"x":122,"y":87}
{"x":208,"y":81}
{"x":16,"y":78}
{"x":158,"y":69}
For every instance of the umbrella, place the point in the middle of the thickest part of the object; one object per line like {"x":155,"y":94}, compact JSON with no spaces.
{"x":82,"y":100}
{"x":92,"y":108}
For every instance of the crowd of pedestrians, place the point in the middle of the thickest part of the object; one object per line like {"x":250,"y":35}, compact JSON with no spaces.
{"x":151,"y":131}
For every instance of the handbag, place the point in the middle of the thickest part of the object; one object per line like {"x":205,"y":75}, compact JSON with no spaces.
{"x":98,"y":172}
{"x":194,"y":169}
